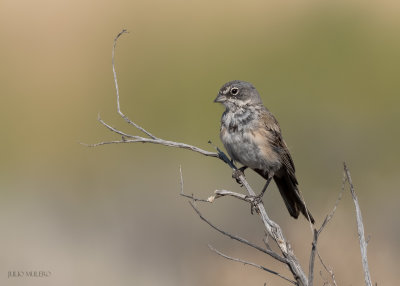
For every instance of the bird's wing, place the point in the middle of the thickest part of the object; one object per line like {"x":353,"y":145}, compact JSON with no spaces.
{"x":277,"y":142}
{"x":285,"y":179}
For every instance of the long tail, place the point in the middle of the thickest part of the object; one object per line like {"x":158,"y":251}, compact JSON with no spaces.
{"x":291,"y":196}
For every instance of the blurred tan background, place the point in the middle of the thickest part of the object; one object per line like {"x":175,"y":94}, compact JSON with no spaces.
{"x":112,"y":215}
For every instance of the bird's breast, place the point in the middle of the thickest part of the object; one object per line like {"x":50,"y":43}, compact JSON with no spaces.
{"x":247,"y":143}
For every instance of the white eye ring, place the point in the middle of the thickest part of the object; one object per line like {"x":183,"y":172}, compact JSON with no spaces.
{"x":234,"y":91}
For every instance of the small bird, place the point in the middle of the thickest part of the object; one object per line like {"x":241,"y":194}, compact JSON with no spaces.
{"x":252,"y":136}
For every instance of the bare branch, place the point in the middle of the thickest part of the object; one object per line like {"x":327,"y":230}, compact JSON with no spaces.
{"x":327,"y":269}
{"x":252,"y":264}
{"x":275,"y":232}
{"x":117,"y":89}
{"x":312,"y":258}
{"x":331,"y":214}
{"x":271,"y":227}
{"x":138,"y":139}
{"x":316,"y":236}
{"x":242,"y":240}
{"x":360,"y":229}
{"x":116,"y":130}
{"x":113,"y":67}
{"x":192,"y":197}
{"x":157,"y":141}
{"x":266,"y":242}
{"x":222,"y":193}
{"x":323,"y":279}
{"x":223,"y":157}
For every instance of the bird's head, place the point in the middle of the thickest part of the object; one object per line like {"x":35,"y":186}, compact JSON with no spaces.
{"x":238,"y":94}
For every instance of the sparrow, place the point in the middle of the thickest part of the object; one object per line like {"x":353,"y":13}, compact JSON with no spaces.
{"x":252,"y":136}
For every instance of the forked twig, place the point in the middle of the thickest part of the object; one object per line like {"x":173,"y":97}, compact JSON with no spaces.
{"x":117,"y":89}
{"x":327,"y":269}
{"x":242,"y":240}
{"x":134,"y":138}
{"x":192,"y":197}
{"x":252,"y":264}
{"x":272,"y":229}
{"x":316,"y":236}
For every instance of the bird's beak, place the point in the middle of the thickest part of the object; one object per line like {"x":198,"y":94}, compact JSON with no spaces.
{"x":220,"y":98}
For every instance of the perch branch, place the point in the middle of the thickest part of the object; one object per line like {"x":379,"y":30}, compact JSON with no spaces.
{"x":252,"y":264}
{"x":139,"y":139}
{"x":360,"y":229}
{"x":223,"y":193}
{"x":272,"y":228}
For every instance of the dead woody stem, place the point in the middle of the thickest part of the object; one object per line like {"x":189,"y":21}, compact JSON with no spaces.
{"x":272,"y":229}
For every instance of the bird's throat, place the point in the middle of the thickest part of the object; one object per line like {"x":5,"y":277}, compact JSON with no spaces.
{"x":236,"y":120}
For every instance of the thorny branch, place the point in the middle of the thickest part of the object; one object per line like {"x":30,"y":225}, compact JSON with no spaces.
{"x":272,"y":229}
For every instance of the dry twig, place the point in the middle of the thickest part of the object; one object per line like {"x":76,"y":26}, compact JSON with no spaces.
{"x":327,"y":269}
{"x":252,"y":264}
{"x":360,"y":229}
{"x":192,"y":197}
{"x":272,"y":229}
{"x":242,"y":240}
{"x":315,"y":240}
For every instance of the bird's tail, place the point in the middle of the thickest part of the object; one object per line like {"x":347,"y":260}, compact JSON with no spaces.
{"x":291,"y":196}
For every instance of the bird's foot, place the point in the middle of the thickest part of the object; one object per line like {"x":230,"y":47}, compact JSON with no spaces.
{"x":255,"y":201}
{"x":237,"y":173}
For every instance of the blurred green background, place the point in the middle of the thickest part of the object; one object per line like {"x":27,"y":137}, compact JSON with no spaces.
{"x":112,"y":215}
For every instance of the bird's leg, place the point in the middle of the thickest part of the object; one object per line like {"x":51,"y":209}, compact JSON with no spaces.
{"x":237,"y":173}
{"x":265,"y":187}
{"x":257,"y":199}
{"x":243,"y":168}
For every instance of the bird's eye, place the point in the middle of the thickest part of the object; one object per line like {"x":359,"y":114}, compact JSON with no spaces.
{"x":234,"y":91}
